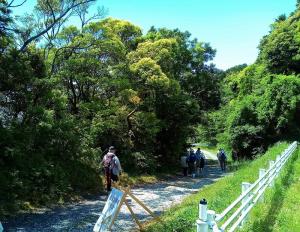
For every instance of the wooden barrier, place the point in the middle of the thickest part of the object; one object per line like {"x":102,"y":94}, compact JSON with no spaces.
{"x":112,"y":208}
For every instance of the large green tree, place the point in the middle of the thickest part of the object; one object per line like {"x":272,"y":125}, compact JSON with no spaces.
{"x":67,"y":93}
{"x":261,"y":101}
{"x":280,"y":49}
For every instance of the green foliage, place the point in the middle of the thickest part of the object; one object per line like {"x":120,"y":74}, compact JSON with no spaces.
{"x":63,"y":102}
{"x":65,"y":99}
{"x":125,"y":31}
{"x":280,"y":49}
{"x":187,"y":64}
{"x":260,"y":102}
{"x":40,"y":159}
{"x":5,"y":23}
{"x":254,"y":120}
{"x":236,"y":69}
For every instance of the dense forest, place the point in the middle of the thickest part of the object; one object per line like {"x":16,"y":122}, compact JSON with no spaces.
{"x":68,"y":92}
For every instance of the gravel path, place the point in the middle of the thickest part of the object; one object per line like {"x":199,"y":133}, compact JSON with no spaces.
{"x":209,"y":155}
{"x":82,"y":216}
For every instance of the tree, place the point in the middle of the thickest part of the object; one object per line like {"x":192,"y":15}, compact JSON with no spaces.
{"x":5,"y":18}
{"x":187,"y":63}
{"x":280,"y":49}
{"x":155,"y":68}
{"x":236,"y":69}
{"x":49,"y":17}
{"x":260,"y":102}
{"x":68,"y":93}
{"x":6,"y":22}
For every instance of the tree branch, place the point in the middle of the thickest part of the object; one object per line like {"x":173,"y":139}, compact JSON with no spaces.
{"x":73,"y":5}
{"x":12,"y":1}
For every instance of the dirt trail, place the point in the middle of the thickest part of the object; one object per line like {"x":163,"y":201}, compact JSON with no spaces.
{"x":82,"y":216}
{"x":208,"y":154}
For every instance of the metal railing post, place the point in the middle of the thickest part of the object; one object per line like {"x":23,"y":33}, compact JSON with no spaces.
{"x":202,"y":225}
{"x":262,"y":172}
{"x":271,"y":180}
{"x":245,"y":186}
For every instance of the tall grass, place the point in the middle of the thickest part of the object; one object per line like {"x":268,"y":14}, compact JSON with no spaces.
{"x":219,"y":195}
{"x":280,"y":209}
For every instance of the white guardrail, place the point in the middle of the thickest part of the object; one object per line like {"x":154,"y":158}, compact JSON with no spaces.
{"x":251,"y":194}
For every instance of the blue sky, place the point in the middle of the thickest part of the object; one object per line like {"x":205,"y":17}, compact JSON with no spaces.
{"x":233,"y":27}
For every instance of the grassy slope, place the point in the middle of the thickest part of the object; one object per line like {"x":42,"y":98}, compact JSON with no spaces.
{"x":280,"y":211}
{"x":288,"y":218}
{"x":219,"y":195}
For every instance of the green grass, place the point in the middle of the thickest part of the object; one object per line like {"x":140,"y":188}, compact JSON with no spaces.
{"x":280,"y":210}
{"x":182,"y":217}
{"x":131,"y":180}
{"x":288,"y":218}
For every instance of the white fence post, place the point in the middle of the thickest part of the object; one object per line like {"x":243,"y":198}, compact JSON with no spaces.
{"x":208,"y":219}
{"x":262,"y":172}
{"x":271,"y":167}
{"x":245,"y":186}
{"x":211,"y":216}
{"x":277,"y":165}
{"x":202,"y":225}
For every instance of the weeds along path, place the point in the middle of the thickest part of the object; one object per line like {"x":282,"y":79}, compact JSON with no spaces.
{"x":82,"y":216}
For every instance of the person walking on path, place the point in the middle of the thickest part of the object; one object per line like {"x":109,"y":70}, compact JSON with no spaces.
{"x":107,"y":163}
{"x":222,"y":159}
{"x":184,"y":164}
{"x":200,"y":161}
{"x":192,"y":162}
{"x":116,"y":169}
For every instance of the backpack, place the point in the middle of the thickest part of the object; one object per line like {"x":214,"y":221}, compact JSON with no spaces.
{"x":202,"y":159}
{"x":108,"y":160}
{"x":192,"y":158}
{"x":223,"y":155}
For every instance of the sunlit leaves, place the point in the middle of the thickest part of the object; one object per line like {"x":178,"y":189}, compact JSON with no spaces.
{"x":280,"y":49}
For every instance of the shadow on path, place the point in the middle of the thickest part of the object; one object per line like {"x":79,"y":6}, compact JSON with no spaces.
{"x":83,"y":215}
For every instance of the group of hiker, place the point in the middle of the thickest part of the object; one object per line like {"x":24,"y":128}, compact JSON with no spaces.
{"x":192,"y":163}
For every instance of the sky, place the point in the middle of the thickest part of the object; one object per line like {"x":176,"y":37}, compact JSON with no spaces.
{"x":232,"y":27}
